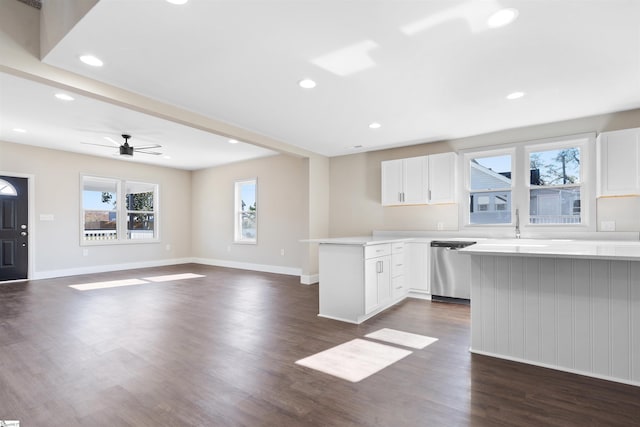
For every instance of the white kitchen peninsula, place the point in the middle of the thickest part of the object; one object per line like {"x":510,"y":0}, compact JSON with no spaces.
{"x":360,"y":276}
{"x":567,"y":305}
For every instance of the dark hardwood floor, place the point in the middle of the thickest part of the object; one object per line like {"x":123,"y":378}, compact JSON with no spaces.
{"x":220,"y":351}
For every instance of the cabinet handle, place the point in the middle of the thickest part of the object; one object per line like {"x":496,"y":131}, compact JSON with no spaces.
{"x":379,"y":268}
{"x":429,"y":195}
{"x":399,"y":196}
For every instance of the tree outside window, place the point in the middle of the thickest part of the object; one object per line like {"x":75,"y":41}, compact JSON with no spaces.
{"x":555,"y":187}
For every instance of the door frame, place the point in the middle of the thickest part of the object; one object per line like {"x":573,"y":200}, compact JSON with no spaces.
{"x":32,"y":219}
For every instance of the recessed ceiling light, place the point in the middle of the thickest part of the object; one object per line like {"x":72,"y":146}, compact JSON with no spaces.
{"x":91,"y":60}
{"x":233,"y":141}
{"x":374,"y":125}
{"x":167,"y":157}
{"x":307,"y":84}
{"x":64,"y":97}
{"x":20,"y":130}
{"x":502,"y":17}
{"x":177,"y":1}
{"x":515,"y":95}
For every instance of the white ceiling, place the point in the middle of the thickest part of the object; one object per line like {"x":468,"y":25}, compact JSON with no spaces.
{"x":66,"y":125}
{"x":425,"y":70}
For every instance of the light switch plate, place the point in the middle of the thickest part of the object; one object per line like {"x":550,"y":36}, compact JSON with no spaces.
{"x":46,"y":217}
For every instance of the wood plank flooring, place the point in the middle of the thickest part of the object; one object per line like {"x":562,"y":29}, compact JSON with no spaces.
{"x":220,"y":351}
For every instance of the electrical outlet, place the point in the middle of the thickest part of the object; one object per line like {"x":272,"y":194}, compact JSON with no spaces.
{"x":85,"y":252}
{"x":282,"y":252}
{"x":607,"y":226}
{"x":168,"y":247}
{"x":229,"y":248}
{"x":440,"y":226}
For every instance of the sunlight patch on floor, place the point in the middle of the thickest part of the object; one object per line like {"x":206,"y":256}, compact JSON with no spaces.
{"x":109,"y":284}
{"x":133,"y":282}
{"x":402,"y":338}
{"x":358,"y":359}
{"x":171,"y":277}
{"x":354,"y":360}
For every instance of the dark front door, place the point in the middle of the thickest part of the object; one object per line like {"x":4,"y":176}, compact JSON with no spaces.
{"x":14,"y":228}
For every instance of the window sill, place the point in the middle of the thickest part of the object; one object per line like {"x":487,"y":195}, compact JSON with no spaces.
{"x":118,"y":242}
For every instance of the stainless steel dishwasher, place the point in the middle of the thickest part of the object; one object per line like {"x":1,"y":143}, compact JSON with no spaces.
{"x":450,"y":272}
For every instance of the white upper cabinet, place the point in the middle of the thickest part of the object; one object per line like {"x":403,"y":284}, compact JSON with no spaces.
{"x":403,"y":181}
{"x":619,"y":160}
{"x":419,"y":180}
{"x":442,"y":178}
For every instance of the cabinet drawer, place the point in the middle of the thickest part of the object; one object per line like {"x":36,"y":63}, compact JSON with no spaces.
{"x":373,"y":251}
{"x":397,"y":248}
{"x":397,"y":265}
{"x":397,"y":286}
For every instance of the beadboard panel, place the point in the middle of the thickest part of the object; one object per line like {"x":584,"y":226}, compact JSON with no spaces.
{"x":581,"y":316}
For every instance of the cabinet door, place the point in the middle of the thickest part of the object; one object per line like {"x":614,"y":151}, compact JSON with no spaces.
{"x":442,"y":178}
{"x":418,"y":267}
{"x":371,"y":270}
{"x":415,"y":180}
{"x":392,"y":177}
{"x":384,"y":280}
{"x":619,"y":158}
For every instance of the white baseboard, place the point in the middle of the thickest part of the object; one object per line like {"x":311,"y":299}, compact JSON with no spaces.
{"x":557,"y":368}
{"x":419,"y":295}
{"x":290,"y":271}
{"x":309,"y":279}
{"x":50,"y":274}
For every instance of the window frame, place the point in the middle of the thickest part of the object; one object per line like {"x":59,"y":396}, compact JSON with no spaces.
{"x":237,"y":212}
{"x":121,"y":212}
{"x":582,"y":185}
{"x":467,"y":191}
{"x":520,"y":180}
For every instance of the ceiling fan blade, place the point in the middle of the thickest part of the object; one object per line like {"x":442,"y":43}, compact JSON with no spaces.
{"x":155,"y":153}
{"x":99,"y":145}
{"x":148,"y":147}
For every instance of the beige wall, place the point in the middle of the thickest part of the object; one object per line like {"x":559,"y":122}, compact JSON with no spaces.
{"x":356,"y":200}
{"x":57,"y":18}
{"x":355,"y":207}
{"x":282,"y":212}
{"x":56,"y":244}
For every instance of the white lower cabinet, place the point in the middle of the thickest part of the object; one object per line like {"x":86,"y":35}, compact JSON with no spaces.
{"x":377,"y":282}
{"x":398,"y":283}
{"x":418,"y":273}
{"x":359,"y":281}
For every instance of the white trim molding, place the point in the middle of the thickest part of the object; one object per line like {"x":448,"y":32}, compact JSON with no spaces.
{"x":278,"y":269}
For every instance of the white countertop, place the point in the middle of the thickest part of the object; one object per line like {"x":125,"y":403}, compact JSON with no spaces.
{"x":588,"y":249}
{"x":358,"y":240}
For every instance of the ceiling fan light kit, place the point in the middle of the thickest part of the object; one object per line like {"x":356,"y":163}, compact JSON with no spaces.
{"x":126,"y":149}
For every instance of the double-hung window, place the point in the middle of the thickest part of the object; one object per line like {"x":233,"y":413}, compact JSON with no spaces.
{"x":490,"y":186}
{"x":117,"y":211}
{"x":555,"y":185}
{"x":546,"y":182}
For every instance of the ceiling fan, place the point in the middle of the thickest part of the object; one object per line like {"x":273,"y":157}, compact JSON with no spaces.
{"x":127,"y":150}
